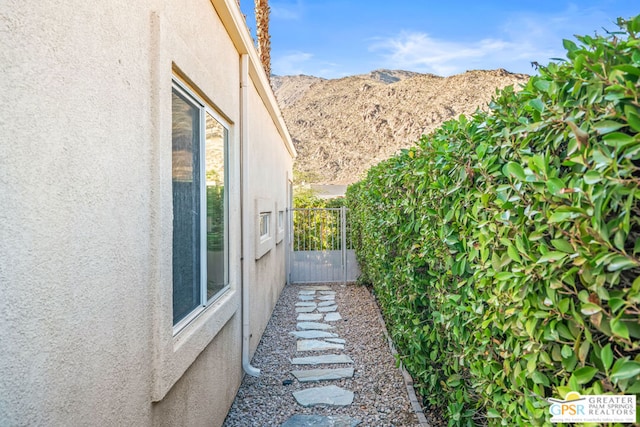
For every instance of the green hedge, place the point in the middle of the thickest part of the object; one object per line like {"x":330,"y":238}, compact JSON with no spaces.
{"x":504,"y":248}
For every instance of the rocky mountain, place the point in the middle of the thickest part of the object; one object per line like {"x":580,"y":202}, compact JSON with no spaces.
{"x":341,"y":127}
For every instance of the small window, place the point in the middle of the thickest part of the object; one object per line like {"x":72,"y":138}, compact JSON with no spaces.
{"x":264,"y":227}
{"x":265,"y":219}
{"x":200,"y":205}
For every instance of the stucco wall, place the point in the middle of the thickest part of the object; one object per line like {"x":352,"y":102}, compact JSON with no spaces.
{"x":75,"y":325}
{"x":268,"y":275}
{"x":86,"y":329}
{"x":204,"y":393}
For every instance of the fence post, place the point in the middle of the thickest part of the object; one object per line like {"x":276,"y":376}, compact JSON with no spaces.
{"x":343,"y":235}
{"x":288,"y":241}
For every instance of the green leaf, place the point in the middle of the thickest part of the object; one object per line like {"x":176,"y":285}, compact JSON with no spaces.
{"x":619,"y":328}
{"x":633,"y":118}
{"x":513,"y":169}
{"x":634,"y":24}
{"x":589,"y":309}
{"x":607,"y":126}
{"x":492,"y":413}
{"x":563,"y":245}
{"x":600,"y":158}
{"x":629,"y":69}
{"x":606,"y":355}
{"x":592,"y":177}
{"x":551,"y":257}
{"x":563,"y":216}
{"x":625,"y":370}
{"x":563,"y":391}
{"x":620,"y":262}
{"x":454,"y":380}
{"x":585,"y":374}
{"x":537,"y":104}
{"x":503,"y":275}
{"x":554,"y":185}
{"x":540,"y":378}
{"x":616,"y":304}
{"x":618,"y":139}
{"x":578,"y":63}
{"x":513,"y":253}
{"x":633,"y":389}
{"x":569,"y":45}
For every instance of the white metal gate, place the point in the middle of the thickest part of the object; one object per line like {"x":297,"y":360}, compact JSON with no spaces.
{"x":321,"y":249}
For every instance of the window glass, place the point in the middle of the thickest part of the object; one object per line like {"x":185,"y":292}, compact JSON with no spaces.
{"x":264,"y":224}
{"x":186,"y":206}
{"x":215,"y":173}
{"x":200,"y":205}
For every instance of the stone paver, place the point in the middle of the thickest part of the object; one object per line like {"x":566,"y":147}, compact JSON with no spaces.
{"x":326,"y":303}
{"x":332,"y":317}
{"x":305,"y":309}
{"x":306,"y":297}
{"x":328,"y":374}
{"x":306,"y":304}
{"x":313,"y":325}
{"x":327,"y":309}
{"x":327,"y":298}
{"x":321,"y":421}
{"x":313,"y":334}
{"x":325,"y":359}
{"x":309,"y":316}
{"x":316,"y":345}
{"x":337,"y":340}
{"x":331,"y":395}
{"x":316,"y":288}
{"x":307,"y":292}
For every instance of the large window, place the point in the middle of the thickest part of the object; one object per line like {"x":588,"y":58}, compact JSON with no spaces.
{"x":200,"y":206}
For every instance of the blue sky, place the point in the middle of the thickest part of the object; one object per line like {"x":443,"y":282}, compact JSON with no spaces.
{"x":336,"y":38}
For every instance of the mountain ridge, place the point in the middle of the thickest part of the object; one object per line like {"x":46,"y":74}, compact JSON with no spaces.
{"x":341,"y":127}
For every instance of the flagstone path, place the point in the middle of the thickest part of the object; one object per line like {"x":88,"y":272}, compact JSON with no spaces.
{"x":331,"y":395}
{"x":336,"y":371}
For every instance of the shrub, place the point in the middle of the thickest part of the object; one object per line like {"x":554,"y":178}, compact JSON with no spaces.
{"x":504,"y":248}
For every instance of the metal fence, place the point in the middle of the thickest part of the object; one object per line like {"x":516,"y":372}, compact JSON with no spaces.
{"x":321,"y":246}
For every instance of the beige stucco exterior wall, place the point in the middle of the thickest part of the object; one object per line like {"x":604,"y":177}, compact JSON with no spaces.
{"x":270,"y":187}
{"x":86,"y":211}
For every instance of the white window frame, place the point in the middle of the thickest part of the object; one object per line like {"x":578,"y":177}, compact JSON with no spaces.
{"x":205,"y":109}
{"x":264,"y":242}
{"x":265,"y":220}
{"x":280,"y":220}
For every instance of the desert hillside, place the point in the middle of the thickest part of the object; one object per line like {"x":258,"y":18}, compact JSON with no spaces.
{"x":341,"y":127}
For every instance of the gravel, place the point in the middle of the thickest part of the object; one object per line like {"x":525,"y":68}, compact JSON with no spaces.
{"x":381,"y":397}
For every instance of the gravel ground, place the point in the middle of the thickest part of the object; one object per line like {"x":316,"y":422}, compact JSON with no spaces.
{"x":381,"y":397}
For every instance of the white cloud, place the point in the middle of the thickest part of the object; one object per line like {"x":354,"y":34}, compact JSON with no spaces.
{"x":522,"y":39}
{"x":421,"y":52}
{"x":291,"y":63}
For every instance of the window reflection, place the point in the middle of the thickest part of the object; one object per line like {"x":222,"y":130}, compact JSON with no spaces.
{"x":186,"y":205}
{"x":215,"y":173}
